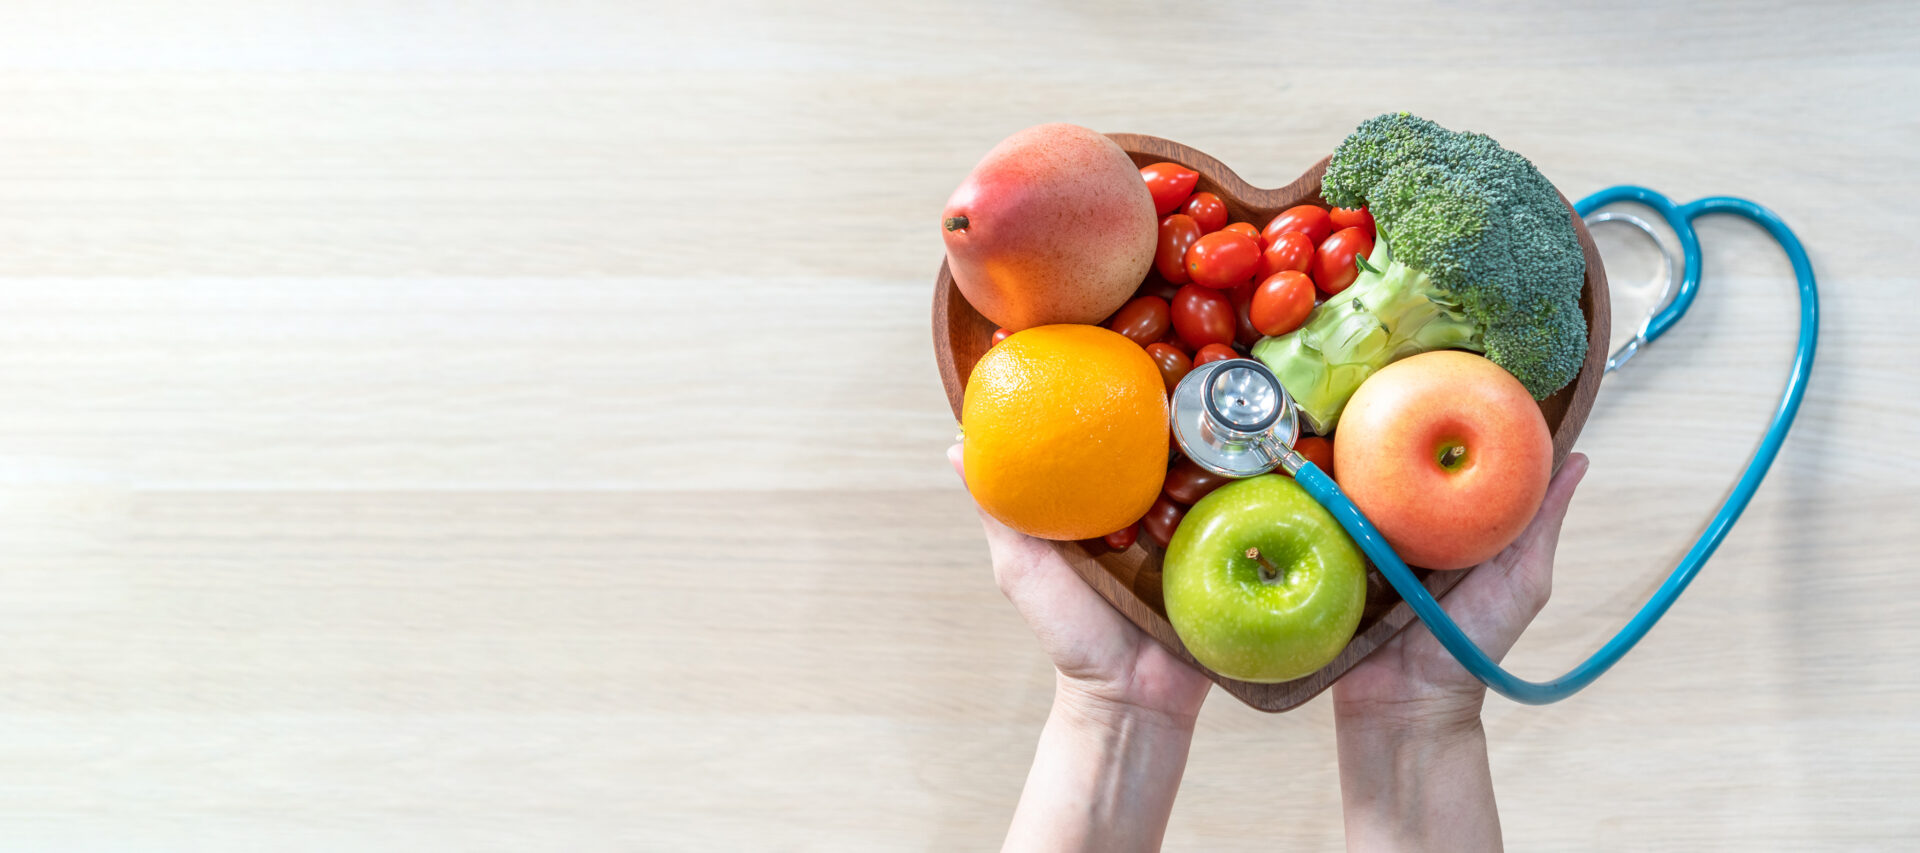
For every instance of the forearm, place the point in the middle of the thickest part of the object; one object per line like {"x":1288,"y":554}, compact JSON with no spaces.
{"x":1103,"y":778}
{"x":1416,"y":787}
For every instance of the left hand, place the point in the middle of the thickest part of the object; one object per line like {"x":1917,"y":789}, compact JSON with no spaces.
{"x":1413,"y":681}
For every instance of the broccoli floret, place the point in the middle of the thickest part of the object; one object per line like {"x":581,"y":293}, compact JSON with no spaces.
{"x":1476,"y":251}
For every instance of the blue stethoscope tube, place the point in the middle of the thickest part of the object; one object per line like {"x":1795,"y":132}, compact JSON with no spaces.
{"x":1681,"y":217}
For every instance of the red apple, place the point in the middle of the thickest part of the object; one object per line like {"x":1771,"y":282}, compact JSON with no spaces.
{"x":1448,"y":454}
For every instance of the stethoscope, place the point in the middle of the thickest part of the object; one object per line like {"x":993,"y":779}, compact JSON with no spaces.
{"x":1234,"y":418}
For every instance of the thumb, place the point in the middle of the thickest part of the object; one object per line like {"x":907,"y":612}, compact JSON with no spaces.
{"x":1001,"y":539}
{"x":1532,"y":553}
{"x":957,"y":459}
{"x":1498,"y":599}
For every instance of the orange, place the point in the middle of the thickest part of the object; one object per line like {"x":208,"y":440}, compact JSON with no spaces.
{"x":1066,"y":432}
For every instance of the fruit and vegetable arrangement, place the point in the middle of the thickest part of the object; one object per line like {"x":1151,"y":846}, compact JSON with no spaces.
{"x":1416,"y":316}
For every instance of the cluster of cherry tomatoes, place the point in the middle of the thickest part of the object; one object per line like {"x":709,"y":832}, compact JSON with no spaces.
{"x":1217,"y":287}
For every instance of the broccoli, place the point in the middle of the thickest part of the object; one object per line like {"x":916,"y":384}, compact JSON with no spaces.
{"x":1476,"y":251}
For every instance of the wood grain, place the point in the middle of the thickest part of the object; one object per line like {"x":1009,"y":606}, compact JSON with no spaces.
{"x":1130,"y":579}
{"x":361,"y":486}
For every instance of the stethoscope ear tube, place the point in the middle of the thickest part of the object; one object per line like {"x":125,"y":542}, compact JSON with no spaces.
{"x":1669,"y":274}
{"x":1448,"y":632}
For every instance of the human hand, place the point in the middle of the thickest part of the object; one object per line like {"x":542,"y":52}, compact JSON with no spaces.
{"x":1115,"y":745}
{"x":1412,"y":679}
{"x":1106,"y":664}
{"x":1413,"y":755}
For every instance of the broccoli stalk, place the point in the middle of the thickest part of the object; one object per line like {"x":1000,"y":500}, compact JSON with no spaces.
{"x":1389,"y":312}
{"x":1477,"y":251}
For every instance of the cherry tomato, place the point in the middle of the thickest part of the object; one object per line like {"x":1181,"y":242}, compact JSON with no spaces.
{"x":1203,"y":316}
{"x":1173,"y":340}
{"x":1208,"y":210}
{"x":1333,"y":267}
{"x":1281,"y":303}
{"x":1162,"y":520}
{"x":1170,"y":184}
{"x":1144,"y":320}
{"x":1122,"y":539}
{"x":1352,"y":217}
{"x":1177,"y":234}
{"x":1174,"y":364}
{"x":1306,"y":219}
{"x":1245,"y":228}
{"x":998,"y":336}
{"x":1187,"y":483}
{"x":1318,"y":450}
{"x":1244,"y":334}
{"x":1157,"y":287}
{"x":1214,"y":352}
{"x":1288,"y":251}
{"x":1223,"y":259}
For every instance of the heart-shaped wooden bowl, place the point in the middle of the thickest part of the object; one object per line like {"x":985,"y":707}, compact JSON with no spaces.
{"x":1130,"y":579}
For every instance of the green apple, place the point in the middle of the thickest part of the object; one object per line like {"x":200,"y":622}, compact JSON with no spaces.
{"x":1261,"y":583}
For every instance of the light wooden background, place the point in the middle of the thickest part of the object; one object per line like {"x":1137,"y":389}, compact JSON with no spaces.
{"x":486,"y":426}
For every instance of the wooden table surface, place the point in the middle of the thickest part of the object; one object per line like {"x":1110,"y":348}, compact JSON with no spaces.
{"x":516,"y":427}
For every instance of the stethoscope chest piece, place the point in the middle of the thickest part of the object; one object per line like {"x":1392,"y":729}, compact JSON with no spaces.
{"x":1232,"y":417}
